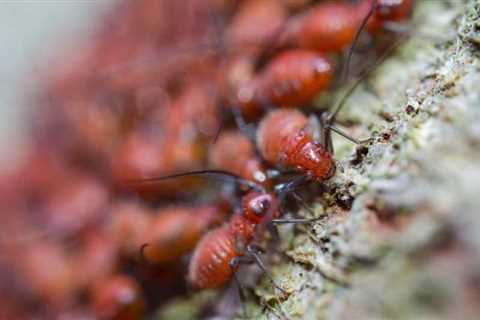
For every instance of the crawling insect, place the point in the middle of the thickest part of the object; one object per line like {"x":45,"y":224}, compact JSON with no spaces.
{"x":176,"y":230}
{"x":117,"y":297}
{"x":217,"y":255}
{"x":169,"y":232}
{"x":234,"y":152}
{"x":332,"y":25}
{"x":291,"y":79}
{"x":295,"y":76}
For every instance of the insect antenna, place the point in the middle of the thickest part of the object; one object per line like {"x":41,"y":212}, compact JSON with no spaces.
{"x":357,"y":36}
{"x":220,"y":175}
{"x":341,"y":102}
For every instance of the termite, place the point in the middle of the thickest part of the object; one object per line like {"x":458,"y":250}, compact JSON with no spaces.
{"x":218,"y":254}
{"x":332,"y":25}
{"x":296,"y":75}
{"x":166,"y":233}
{"x":293,"y":146}
{"x":116,"y":297}
{"x":175,"y":231}
{"x":234,"y":152}
{"x":291,"y":79}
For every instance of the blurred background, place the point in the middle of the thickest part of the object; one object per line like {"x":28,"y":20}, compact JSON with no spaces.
{"x":31,"y":32}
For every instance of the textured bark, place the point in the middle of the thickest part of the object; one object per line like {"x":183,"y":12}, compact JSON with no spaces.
{"x":401,"y":237}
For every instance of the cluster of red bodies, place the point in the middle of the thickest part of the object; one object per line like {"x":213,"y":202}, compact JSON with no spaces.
{"x":144,"y":99}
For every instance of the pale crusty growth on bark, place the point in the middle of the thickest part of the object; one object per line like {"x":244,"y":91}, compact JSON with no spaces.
{"x":401,"y":238}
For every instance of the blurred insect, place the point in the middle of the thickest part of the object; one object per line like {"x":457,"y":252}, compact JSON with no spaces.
{"x":295,"y":76}
{"x":116,"y":297}
{"x":234,"y":152}
{"x":175,"y":231}
{"x":291,"y":79}
{"x":166,"y":233}
{"x":331,"y":26}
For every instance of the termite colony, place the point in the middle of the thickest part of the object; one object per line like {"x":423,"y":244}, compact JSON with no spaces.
{"x":146,"y":99}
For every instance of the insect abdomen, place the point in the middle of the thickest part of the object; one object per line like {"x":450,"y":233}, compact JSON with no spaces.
{"x":209,"y":266}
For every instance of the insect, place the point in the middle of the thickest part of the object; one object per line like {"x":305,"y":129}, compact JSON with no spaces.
{"x":234,"y":152}
{"x":175,"y":231}
{"x":116,"y":297}
{"x":218,"y":253}
{"x":293,"y":146}
{"x":332,"y":25}
{"x":291,"y":79}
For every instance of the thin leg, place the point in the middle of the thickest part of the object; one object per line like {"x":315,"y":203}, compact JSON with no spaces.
{"x":326,"y":133}
{"x":234,"y":263}
{"x":347,"y":136}
{"x":245,"y":128}
{"x":284,"y":188}
{"x":251,"y":249}
{"x":296,"y":220}
{"x":302,"y":203}
{"x":220,"y":128}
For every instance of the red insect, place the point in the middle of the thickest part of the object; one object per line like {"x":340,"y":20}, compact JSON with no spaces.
{"x":218,"y":253}
{"x":293,"y":146}
{"x":291,"y":79}
{"x":117,"y":297}
{"x":254,"y":23}
{"x":175,"y":231}
{"x":166,"y":233}
{"x":332,"y":25}
{"x":234,"y":152}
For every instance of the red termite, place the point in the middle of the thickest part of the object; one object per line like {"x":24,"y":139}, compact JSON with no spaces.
{"x":332,"y":25}
{"x":217,"y":255}
{"x":234,"y":152}
{"x":291,"y":79}
{"x":167,"y":233}
{"x":176,"y":230}
{"x":117,"y":297}
{"x":254,"y":22}
{"x":293,"y":146}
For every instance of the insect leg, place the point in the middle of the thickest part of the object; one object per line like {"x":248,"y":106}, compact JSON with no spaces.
{"x":296,"y":220}
{"x":347,"y":136}
{"x":234,"y":264}
{"x":254,"y":251}
{"x":244,"y":127}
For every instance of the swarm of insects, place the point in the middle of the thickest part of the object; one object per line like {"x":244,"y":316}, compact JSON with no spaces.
{"x":142,"y":114}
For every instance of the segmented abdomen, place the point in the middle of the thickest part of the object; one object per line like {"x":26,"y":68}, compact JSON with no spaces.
{"x":209,"y":266}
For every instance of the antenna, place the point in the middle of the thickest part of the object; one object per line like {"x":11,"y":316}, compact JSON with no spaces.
{"x":341,"y":103}
{"x":215,"y":174}
{"x":357,"y":36}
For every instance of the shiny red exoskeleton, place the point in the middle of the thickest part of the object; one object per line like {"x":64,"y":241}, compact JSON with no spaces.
{"x":211,"y":264}
{"x":175,"y":231}
{"x":283,"y":140}
{"x":235,"y":153}
{"x":331,"y":25}
{"x":291,"y":79}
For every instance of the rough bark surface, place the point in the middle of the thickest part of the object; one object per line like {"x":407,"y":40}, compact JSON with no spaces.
{"x":400,"y":239}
